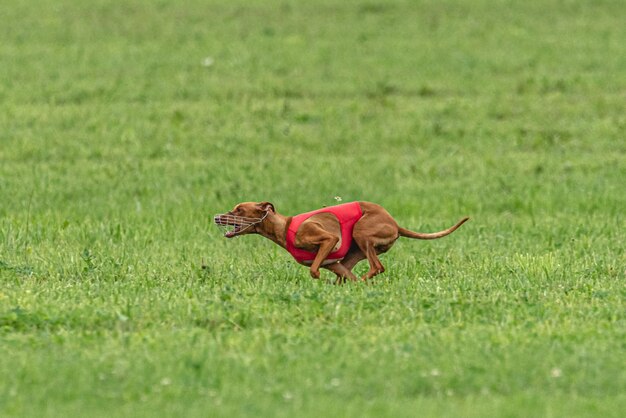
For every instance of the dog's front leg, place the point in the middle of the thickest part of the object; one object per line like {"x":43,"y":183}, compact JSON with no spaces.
{"x":326,"y":246}
{"x":316,"y":237}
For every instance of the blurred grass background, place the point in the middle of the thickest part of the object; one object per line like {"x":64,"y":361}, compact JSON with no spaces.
{"x":127,"y":125}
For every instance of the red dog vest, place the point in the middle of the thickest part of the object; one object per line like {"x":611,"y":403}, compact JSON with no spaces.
{"x":347,"y":214}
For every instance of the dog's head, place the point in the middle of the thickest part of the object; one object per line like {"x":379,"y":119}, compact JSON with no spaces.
{"x":244,"y":218}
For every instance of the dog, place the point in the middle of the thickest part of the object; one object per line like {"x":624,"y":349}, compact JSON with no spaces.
{"x":335,"y":237}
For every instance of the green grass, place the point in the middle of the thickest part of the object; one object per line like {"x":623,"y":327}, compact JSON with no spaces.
{"x":126,"y":125}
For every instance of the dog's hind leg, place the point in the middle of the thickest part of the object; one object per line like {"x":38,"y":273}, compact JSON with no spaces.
{"x":375,"y":236}
{"x":341,"y":271}
{"x":376,"y":267}
{"x":353,"y":257}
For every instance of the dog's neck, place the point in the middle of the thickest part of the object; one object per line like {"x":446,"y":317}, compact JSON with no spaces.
{"x":274,"y":227}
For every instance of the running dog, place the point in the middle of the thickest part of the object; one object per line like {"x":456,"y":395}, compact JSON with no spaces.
{"x":334,"y":237}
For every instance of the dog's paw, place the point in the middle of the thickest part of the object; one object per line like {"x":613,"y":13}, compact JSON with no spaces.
{"x":315,"y":274}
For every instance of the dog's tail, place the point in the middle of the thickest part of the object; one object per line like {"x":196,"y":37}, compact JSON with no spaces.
{"x":419,"y":235}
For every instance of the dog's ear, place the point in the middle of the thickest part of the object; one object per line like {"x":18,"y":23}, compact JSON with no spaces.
{"x":266,"y":206}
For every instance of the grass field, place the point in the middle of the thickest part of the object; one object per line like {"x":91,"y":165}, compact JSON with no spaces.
{"x":126,"y":125}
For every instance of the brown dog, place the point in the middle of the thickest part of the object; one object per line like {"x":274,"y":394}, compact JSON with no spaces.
{"x":363,"y":233}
